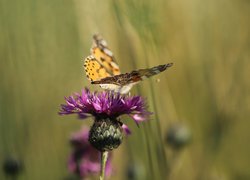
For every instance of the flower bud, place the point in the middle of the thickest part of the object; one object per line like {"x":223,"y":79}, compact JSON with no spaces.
{"x":178,"y":136}
{"x":12,"y":166}
{"x":106,"y":134}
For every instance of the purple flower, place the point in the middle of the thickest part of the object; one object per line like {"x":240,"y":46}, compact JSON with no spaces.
{"x":105,"y":105}
{"x":84,"y":159}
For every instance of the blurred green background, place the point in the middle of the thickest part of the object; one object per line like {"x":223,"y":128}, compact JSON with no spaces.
{"x":42,"y":48}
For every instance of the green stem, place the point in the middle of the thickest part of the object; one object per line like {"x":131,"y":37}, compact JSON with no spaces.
{"x":103,"y":164}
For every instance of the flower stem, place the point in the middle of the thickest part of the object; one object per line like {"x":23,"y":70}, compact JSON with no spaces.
{"x":103,"y":164}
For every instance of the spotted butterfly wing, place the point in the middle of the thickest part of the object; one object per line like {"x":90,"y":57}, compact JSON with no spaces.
{"x":94,"y":70}
{"x":104,"y":55}
{"x":101,"y":63}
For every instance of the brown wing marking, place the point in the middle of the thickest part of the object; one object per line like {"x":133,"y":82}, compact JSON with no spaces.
{"x":134,"y":76}
{"x":146,"y":73}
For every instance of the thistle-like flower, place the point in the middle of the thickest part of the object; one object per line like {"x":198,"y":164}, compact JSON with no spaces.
{"x":106,"y":108}
{"x":84,"y":160}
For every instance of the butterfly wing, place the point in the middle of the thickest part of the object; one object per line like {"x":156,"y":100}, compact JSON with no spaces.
{"x":94,"y":70}
{"x":104,"y":56}
{"x":134,"y":76}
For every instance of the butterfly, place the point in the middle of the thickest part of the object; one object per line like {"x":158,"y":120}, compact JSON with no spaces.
{"x":102,"y":69}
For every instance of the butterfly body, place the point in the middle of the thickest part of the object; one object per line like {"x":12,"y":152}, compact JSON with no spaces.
{"x":117,"y":88}
{"x":101,"y":68}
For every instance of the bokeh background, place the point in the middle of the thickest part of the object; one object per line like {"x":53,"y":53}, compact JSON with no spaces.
{"x":207,"y":91}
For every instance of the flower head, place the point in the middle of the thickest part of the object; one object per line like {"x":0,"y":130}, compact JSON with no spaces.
{"x":106,"y":107}
{"x":84,"y":159}
{"x":105,"y":104}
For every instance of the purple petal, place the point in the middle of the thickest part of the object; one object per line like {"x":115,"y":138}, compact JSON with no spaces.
{"x":126,"y":129}
{"x":138,"y":118}
{"x":82,"y":116}
{"x":72,"y":164}
{"x":97,"y":106}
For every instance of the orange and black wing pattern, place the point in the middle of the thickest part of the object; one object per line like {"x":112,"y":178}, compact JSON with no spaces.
{"x":101,"y":63}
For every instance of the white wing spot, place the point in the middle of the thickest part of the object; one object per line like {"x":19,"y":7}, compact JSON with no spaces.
{"x":114,"y":65}
{"x":108,"y":52}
